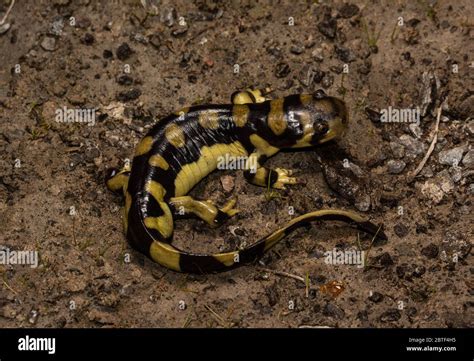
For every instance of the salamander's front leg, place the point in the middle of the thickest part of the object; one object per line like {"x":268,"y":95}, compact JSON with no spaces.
{"x":117,"y":180}
{"x":265,"y":177}
{"x":206,"y":210}
{"x":249,"y":96}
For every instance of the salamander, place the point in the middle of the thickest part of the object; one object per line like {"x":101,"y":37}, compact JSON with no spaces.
{"x":184,"y":147}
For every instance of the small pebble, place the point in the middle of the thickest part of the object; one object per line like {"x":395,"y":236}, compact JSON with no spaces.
{"x":430,"y":251}
{"x":468,"y":160}
{"x":376,"y":297}
{"x":396,"y":166}
{"x":124,"y":52}
{"x":48,"y":43}
{"x":451,"y":156}
{"x":400,"y":230}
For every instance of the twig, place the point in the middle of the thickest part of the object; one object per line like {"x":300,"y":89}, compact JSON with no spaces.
{"x":366,"y":259}
{"x":7,"y":286}
{"x":418,"y":169}
{"x":7,"y":13}
{"x":284,"y":274}
{"x":218,"y":317}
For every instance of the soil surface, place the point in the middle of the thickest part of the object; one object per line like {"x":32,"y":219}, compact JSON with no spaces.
{"x":135,"y":64}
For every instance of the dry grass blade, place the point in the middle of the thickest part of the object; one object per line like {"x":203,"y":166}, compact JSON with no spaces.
{"x":418,"y":169}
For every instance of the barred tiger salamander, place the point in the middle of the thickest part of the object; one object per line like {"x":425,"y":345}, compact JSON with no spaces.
{"x":183,"y":148}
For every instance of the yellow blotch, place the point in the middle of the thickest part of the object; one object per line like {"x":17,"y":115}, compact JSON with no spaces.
{"x":240,"y":114}
{"x":126,"y":210}
{"x":166,"y":255}
{"x":191,"y":174}
{"x":157,"y":160}
{"x":209,"y":119}
{"x":155,"y":189}
{"x":144,"y":146}
{"x":242,"y":98}
{"x":226,"y":258}
{"x":175,"y":135}
{"x":262,"y":145}
{"x":163,"y":224}
{"x":276,"y":117}
{"x":306,"y":99}
{"x":273,"y":239}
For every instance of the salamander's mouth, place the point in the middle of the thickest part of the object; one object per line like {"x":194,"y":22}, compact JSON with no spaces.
{"x":337,"y":124}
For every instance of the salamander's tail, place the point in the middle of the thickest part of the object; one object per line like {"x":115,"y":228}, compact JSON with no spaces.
{"x":182,"y":261}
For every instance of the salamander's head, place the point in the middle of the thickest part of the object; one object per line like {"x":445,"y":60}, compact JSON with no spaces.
{"x":322,"y":118}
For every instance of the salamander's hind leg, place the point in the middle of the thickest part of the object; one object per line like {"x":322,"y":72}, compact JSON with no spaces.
{"x":249,"y":96}
{"x":206,"y":210}
{"x":264,"y":177}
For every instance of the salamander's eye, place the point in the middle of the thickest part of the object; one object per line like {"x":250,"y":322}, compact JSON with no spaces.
{"x":319,"y":94}
{"x":320,"y":128}
{"x":110,"y":173}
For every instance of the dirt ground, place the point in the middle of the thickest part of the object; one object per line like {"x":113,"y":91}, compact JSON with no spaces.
{"x":64,"y":53}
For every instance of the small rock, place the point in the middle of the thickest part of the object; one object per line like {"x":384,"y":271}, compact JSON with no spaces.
{"x":227,"y":182}
{"x":127,"y":95}
{"x":344,"y":54}
{"x":415,"y":130}
{"x":468,"y":160}
{"x":180,"y":30}
{"x":430,"y":251}
{"x":107,"y":54}
{"x":419,"y":271}
{"x":454,"y":246}
{"x":124,"y":52}
{"x":451,"y":156}
{"x":413,"y":147}
{"x":348,"y":10}
{"x":456,"y":174}
{"x":385,"y":259}
{"x":328,"y":27}
{"x":4,"y":28}
{"x":48,"y":43}
{"x":363,"y":315}
{"x":296,"y":49}
{"x":83,"y":23}
{"x":328,"y":80}
{"x":124,"y":79}
{"x":470,"y":127}
{"x":317,"y":54}
{"x":400,"y":230}
{"x":155,"y":40}
{"x":363,"y":202}
{"x":168,"y":16}
{"x":88,"y":39}
{"x":398,"y":150}
{"x":396,"y":166}
{"x":445,"y":181}
{"x":282,"y":70}
{"x":331,"y":310}
{"x":272,"y":296}
{"x":376,"y":297}
{"x":33,"y":317}
{"x":390,"y":315}
{"x":434,"y":189}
